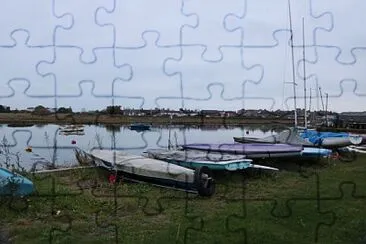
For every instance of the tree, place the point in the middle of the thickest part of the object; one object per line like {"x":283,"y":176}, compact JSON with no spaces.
{"x":114,"y":110}
{"x":63,"y":110}
{"x":40,"y":110}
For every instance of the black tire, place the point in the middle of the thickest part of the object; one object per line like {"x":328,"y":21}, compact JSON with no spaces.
{"x":346,"y":156}
{"x":205,"y":187}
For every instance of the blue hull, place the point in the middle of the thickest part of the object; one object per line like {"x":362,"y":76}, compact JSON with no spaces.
{"x":14,"y":185}
{"x":316,"y":152}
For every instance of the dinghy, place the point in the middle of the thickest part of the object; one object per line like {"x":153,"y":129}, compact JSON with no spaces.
{"x":306,"y":138}
{"x":195,"y":159}
{"x":255,"y":150}
{"x":13,"y":184}
{"x":158,"y":172}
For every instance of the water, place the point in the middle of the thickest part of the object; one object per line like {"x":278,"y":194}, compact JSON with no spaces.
{"x":48,"y":145}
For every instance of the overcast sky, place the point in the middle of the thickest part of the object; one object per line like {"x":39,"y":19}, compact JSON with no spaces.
{"x":196,"y":54}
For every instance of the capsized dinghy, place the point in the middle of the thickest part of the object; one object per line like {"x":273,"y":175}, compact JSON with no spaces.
{"x":195,"y":159}
{"x":12,"y":184}
{"x":158,"y":172}
{"x":255,"y":150}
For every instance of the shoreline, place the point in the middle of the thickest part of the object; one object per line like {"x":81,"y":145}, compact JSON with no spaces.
{"x":28,"y":119}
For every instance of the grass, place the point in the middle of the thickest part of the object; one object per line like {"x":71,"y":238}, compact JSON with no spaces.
{"x":251,"y":207}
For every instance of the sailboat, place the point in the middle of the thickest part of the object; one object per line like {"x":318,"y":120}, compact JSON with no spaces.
{"x":309,"y":138}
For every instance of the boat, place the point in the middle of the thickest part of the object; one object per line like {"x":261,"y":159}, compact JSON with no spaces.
{"x":13,"y":184}
{"x":138,"y":168}
{"x":316,"y":152}
{"x":306,"y":138}
{"x":71,"y":128}
{"x":139,"y":127}
{"x":195,"y":159}
{"x":254,"y":150}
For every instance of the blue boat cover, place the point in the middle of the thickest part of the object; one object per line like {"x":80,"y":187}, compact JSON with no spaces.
{"x":317,"y":137}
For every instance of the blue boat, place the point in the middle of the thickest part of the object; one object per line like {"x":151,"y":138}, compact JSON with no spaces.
{"x":315,"y":152}
{"x":12,"y":184}
{"x":195,"y":159}
{"x":139,"y":127}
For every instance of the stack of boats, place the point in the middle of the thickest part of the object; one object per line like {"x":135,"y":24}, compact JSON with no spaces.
{"x":189,"y":167}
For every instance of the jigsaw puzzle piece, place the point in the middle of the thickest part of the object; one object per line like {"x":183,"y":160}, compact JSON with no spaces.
{"x":67,"y":83}
{"x":210,"y":32}
{"x":149,"y":79}
{"x":21,"y":54}
{"x":258,"y":213}
{"x":85,"y":25}
{"x":196,"y":74}
{"x":330,"y":81}
{"x":344,"y":35}
{"x":144,"y":20}
{"x":15,"y":16}
{"x":350,"y":196}
{"x":261,"y":20}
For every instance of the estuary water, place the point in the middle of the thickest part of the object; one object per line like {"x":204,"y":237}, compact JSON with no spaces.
{"x":50,"y":146}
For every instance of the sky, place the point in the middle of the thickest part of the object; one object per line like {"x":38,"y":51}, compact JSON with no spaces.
{"x":193,"y":54}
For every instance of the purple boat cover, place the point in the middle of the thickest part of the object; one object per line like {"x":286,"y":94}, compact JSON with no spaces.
{"x":241,"y":148}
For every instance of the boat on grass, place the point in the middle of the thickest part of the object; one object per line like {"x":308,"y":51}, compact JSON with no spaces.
{"x":143,"y":169}
{"x":195,"y":159}
{"x":13,"y":184}
{"x":306,"y":138}
{"x":254,"y":150}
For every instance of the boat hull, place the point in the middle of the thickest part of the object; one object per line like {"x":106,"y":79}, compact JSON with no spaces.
{"x":158,"y":172}
{"x":255,"y":150}
{"x":195,"y":159}
{"x":12,"y":184}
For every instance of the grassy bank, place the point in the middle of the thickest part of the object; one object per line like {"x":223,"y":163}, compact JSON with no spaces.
{"x":282,"y":207}
{"x":28,"y":118}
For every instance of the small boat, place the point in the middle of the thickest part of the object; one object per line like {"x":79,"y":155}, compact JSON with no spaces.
{"x":316,"y":152}
{"x":143,"y":169}
{"x":195,"y":159}
{"x":330,"y":139}
{"x":306,"y":138}
{"x":71,"y":128}
{"x":139,"y":127}
{"x":13,"y":184}
{"x":254,"y":150}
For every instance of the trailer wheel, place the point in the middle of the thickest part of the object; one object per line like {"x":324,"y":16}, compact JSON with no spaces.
{"x":345,"y":155}
{"x":204,"y":181}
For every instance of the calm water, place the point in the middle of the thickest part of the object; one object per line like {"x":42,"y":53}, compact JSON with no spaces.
{"x":49,"y":145}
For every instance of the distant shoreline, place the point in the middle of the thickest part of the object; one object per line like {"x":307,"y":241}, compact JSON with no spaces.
{"x":28,"y":118}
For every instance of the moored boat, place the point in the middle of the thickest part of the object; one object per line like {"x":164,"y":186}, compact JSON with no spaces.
{"x":158,"y":172}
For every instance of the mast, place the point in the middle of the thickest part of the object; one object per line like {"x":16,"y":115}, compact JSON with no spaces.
{"x":293,"y":63}
{"x":303,"y":53}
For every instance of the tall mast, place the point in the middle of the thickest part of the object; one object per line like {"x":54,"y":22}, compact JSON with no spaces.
{"x":303,"y":52}
{"x":293,"y":63}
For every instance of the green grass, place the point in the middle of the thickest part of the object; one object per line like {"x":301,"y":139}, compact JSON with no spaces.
{"x":281,"y":207}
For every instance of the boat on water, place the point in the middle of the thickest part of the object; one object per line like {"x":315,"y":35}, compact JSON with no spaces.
{"x":195,"y":159}
{"x":71,"y":129}
{"x":254,"y":150}
{"x":139,"y":127}
{"x":143,"y":169}
{"x":13,"y":184}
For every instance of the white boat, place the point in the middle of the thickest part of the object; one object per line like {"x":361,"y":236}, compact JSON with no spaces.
{"x":214,"y":161}
{"x":143,"y":169}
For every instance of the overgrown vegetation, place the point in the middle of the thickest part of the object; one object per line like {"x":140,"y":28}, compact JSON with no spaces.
{"x":253,"y":206}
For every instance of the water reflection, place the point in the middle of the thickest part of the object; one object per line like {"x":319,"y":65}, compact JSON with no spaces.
{"x":48,"y":145}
